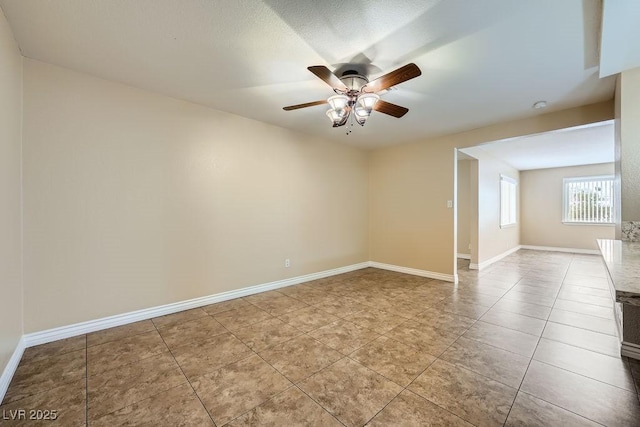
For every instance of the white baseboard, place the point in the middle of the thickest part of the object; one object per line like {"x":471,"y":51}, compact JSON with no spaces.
{"x":10,"y":369}
{"x":415,"y":271}
{"x":464,"y":256}
{"x":43,"y":337}
{"x":556,"y":249}
{"x":630,"y":350}
{"x":485,"y":264}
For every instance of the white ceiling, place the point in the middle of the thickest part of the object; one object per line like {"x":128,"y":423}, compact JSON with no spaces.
{"x":583,"y":145}
{"x":620,"y":33}
{"x":483,"y":61}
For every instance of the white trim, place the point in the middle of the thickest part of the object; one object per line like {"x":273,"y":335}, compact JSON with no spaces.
{"x":415,"y":271}
{"x":464,"y":256}
{"x":43,"y":337}
{"x":556,"y":249}
{"x":487,"y":263}
{"x":630,"y":350}
{"x":10,"y":369}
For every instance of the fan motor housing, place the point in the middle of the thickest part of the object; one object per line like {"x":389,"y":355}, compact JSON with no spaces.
{"x":353,"y":81}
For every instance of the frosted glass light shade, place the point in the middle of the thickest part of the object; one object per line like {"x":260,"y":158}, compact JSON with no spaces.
{"x":368,"y":100}
{"x":338,"y":102}
{"x":338,"y":117}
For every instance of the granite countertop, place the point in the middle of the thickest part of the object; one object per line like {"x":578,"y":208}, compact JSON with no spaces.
{"x":623,"y":262}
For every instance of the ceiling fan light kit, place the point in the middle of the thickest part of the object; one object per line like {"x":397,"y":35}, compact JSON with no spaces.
{"x":355,"y":94}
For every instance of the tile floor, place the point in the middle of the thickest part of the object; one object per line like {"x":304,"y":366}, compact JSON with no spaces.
{"x":528,"y":341}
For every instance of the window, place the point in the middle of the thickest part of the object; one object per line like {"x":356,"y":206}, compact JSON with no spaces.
{"x":508,"y":201}
{"x":588,"y":200}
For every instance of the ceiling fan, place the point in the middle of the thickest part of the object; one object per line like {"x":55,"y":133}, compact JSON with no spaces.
{"x":356,"y":94}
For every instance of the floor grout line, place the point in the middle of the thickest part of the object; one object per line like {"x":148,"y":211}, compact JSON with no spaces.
{"x":185,"y":376}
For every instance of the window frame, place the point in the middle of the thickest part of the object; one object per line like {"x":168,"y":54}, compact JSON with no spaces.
{"x":565,"y":199}
{"x":512,"y":220}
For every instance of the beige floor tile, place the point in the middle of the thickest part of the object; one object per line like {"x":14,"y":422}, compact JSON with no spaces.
{"x":603,"y":293}
{"x":545,"y":291}
{"x":608,"y":369}
{"x":395,"y":361}
{"x":524,"y":308}
{"x":308,"y":318}
{"x":351,"y":392}
{"x":281,"y":305}
{"x":487,"y":290}
{"x":344,"y":336}
{"x":66,"y":404}
{"x":473,"y":298}
{"x":601,"y":343}
{"x":289,"y":408}
{"x":506,"y":339}
{"x":223,"y":306}
{"x":463,"y":308}
{"x":530,"y":299}
{"x":300,"y":357}
{"x":583,"y":308}
{"x":111,"y":355}
{"x":410,"y":410}
{"x":404,"y":309}
{"x":588,"y":398}
{"x":341,"y":306}
{"x":377,"y":320}
{"x":186,"y":333}
{"x":587,"y":299}
{"x":584,"y":321}
{"x":233,"y":390}
{"x":198,"y":359}
{"x":55,"y":348}
{"x":119,"y":332}
{"x":531,"y":411}
{"x":447,"y":322}
{"x":243,"y":316}
{"x":46,"y":374}
{"x":176,"y":407}
{"x":263,"y":296}
{"x":477,"y":399}
{"x":177,"y":318}
{"x":126,"y":385}
{"x":492,"y":362}
{"x":586,"y":281}
{"x":426,"y":338}
{"x":518,"y":322}
{"x":265,"y":334}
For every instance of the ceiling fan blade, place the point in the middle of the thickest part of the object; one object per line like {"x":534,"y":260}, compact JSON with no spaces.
{"x":390,"y":109}
{"x":308,"y":104}
{"x":393,"y":78}
{"x":327,"y":76}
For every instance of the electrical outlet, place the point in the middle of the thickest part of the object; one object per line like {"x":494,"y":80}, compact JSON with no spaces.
{"x":469,"y":246}
{"x":287,"y":262}
{"x":449,"y":203}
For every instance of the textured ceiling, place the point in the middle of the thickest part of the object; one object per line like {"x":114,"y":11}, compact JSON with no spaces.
{"x":483,"y":61}
{"x":582,"y":145}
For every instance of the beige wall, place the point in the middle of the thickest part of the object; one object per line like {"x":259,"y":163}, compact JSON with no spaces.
{"x":463,"y":199}
{"x":10,"y":193}
{"x":134,"y":200}
{"x":492,"y":239}
{"x":630,"y":143}
{"x":541,"y":209}
{"x":473,"y":211}
{"x":410,"y":224}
